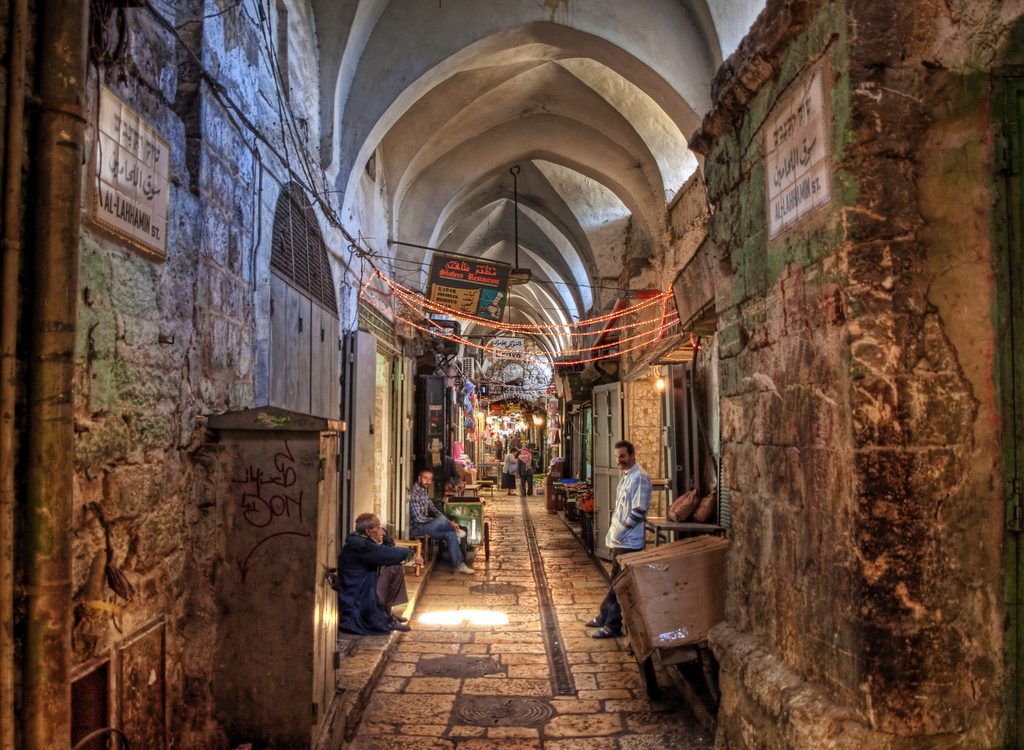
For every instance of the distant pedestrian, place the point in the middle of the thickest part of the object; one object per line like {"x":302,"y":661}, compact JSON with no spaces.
{"x":526,"y":471}
{"x":510,"y":471}
{"x":626,"y":533}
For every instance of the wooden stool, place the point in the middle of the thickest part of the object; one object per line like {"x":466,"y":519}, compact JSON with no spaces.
{"x":415,"y":544}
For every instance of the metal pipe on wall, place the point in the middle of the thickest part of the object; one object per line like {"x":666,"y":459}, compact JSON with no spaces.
{"x":50,"y":432}
{"x":10,"y":299}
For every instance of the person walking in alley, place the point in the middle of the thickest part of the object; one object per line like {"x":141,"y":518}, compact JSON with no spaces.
{"x":371,"y":579}
{"x":526,"y":470}
{"x":626,"y":532}
{"x":510,"y":471}
{"x":427,"y":520}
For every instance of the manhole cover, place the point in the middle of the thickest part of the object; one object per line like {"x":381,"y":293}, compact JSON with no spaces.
{"x":502,"y":589}
{"x":457,"y":666}
{"x":502,"y":711}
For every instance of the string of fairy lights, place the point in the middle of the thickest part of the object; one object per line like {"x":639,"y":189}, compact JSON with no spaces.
{"x":656,"y":327}
{"x":404,"y":292}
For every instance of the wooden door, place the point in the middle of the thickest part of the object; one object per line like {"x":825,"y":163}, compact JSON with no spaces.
{"x":1009,"y":315}
{"x":325,"y":623}
{"x":607,"y":403}
{"x":359,"y":385}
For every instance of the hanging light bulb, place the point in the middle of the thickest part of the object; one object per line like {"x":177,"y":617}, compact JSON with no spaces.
{"x":538,"y":420}
{"x":659,"y":382}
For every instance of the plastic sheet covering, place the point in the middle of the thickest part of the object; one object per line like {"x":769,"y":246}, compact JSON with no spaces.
{"x":674,"y":635}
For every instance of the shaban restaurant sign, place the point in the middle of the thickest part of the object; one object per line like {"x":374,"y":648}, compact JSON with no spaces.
{"x":796,"y":156}
{"x":469,"y":285}
{"x":130,"y":188}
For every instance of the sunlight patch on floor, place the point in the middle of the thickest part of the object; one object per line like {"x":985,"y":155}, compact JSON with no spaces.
{"x":458,"y":616}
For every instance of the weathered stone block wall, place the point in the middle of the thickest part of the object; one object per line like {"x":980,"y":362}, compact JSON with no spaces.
{"x":857,"y":404}
{"x":162,"y":344}
{"x":688,"y":218}
{"x":643,"y":420}
{"x":783,"y":431}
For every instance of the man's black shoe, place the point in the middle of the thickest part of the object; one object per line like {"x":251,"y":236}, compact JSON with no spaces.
{"x":595,"y":623}
{"x":399,"y":618}
{"x":400,"y":626}
{"x":606,"y":633}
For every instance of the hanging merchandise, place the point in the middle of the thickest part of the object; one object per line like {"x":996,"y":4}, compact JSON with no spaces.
{"x":468,"y":404}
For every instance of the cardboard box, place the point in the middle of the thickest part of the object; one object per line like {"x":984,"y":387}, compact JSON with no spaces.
{"x":673,"y":594}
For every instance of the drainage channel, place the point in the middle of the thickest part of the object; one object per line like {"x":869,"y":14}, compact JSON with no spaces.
{"x":561,"y":675}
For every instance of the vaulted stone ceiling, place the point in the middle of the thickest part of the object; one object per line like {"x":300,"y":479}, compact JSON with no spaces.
{"x":592,"y":99}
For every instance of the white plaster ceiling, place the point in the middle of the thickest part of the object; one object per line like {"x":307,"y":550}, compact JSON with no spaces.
{"x":592,"y":100}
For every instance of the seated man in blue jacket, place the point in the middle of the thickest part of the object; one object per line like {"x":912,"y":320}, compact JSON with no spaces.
{"x":362,"y":608}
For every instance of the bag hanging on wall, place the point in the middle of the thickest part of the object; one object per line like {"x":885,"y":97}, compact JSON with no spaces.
{"x":683,"y":506}
{"x":705,"y":509}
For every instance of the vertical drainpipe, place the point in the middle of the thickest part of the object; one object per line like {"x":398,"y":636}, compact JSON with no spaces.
{"x":50,"y":432}
{"x":9,"y":299}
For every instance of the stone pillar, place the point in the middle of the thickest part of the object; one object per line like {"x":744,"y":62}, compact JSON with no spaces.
{"x":857,"y":400}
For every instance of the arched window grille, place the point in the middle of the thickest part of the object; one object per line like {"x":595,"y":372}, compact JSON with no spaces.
{"x":297,"y":250}
{"x":304,"y":353}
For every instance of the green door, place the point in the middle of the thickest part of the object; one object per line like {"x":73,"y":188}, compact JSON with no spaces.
{"x":1009,"y":316}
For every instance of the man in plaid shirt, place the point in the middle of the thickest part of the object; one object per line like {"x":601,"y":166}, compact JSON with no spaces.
{"x":426,"y":520}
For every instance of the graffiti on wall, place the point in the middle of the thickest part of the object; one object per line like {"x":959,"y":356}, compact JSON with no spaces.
{"x":270,"y":501}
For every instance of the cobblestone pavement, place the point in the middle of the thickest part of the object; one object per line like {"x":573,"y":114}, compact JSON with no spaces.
{"x":468,"y":685}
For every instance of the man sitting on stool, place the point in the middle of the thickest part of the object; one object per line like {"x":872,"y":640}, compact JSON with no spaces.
{"x":426,"y":520}
{"x":371,"y":579}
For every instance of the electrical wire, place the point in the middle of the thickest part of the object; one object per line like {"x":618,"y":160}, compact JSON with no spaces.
{"x":525,"y":356}
{"x":414,"y":307}
{"x":400,"y":290}
{"x":243,"y":125}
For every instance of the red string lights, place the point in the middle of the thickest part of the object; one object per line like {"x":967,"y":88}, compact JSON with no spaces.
{"x":415,"y":301}
{"x":421,"y":301}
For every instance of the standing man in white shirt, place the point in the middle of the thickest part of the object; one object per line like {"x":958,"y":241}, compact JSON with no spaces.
{"x":626,"y":533}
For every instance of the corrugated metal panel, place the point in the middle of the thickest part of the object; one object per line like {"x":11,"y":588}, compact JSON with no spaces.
{"x":373,"y":321}
{"x":724,"y":499}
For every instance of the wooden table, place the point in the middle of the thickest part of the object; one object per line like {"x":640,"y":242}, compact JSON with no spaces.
{"x":662,"y":527}
{"x":489,"y":471}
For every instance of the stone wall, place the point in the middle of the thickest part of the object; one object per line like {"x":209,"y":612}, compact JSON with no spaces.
{"x":857,"y":404}
{"x":163,"y":344}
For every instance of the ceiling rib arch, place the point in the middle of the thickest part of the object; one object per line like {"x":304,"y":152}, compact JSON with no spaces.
{"x":547,"y":89}
{"x":567,"y":143}
{"x":381,"y":101}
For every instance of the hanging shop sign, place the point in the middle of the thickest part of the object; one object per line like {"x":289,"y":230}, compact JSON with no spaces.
{"x":469,"y":285}
{"x":796,"y":147}
{"x":509,"y":343}
{"x":131,"y":182}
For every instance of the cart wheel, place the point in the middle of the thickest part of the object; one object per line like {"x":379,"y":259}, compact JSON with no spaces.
{"x":487,"y":540}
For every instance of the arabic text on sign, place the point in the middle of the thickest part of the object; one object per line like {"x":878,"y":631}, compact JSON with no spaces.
{"x":131,"y":176}
{"x":796,"y":157}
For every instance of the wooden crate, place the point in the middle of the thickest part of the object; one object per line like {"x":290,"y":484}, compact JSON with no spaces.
{"x":673,"y":594}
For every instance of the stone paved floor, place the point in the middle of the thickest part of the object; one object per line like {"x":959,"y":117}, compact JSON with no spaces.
{"x":411,"y":708}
